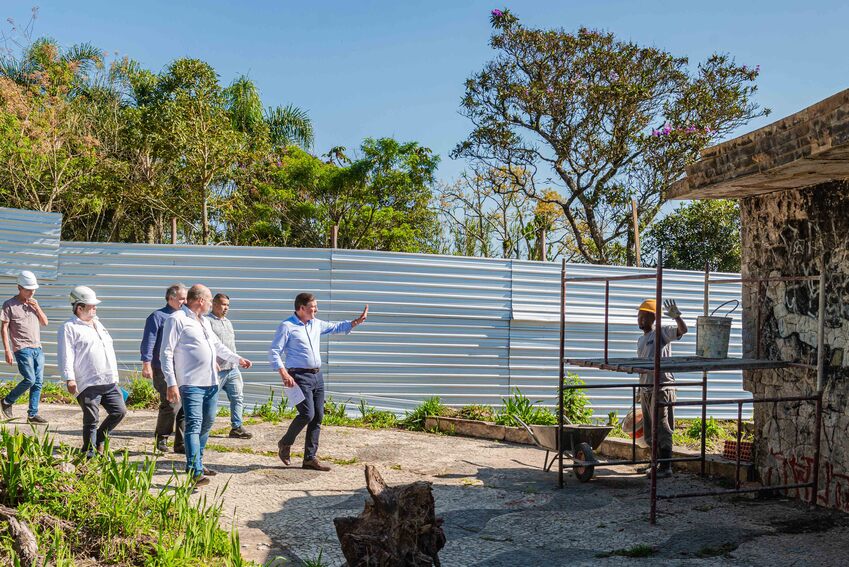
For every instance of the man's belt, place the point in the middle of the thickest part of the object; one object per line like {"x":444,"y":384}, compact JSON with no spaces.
{"x":303,"y":370}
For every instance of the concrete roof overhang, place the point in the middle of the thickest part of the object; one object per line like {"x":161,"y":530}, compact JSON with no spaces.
{"x":806,"y":148}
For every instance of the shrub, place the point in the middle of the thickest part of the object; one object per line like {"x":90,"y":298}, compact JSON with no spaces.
{"x":223,"y":411}
{"x":376,"y":419}
{"x":415,"y":420}
{"x":477,"y":412}
{"x":518,"y":405}
{"x":65,"y":498}
{"x":268,"y":411}
{"x":51,"y":393}
{"x":142,"y":394}
{"x":576,"y":404}
{"x":712,"y":429}
{"x":336,"y":413}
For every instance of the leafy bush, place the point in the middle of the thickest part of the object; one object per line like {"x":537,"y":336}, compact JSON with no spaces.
{"x":223,"y":411}
{"x":142,"y":394}
{"x":713,"y":430}
{"x":518,"y":405}
{"x":376,"y":419}
{"x":576,"y":403}
{"x":64,"y":499}
{"x":269,"y":412}
{"x":336,"y":413}
{"x":415,"y":420}
{"x":477,"y":412}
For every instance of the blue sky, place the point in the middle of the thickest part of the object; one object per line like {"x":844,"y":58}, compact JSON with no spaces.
{"x":396,"y":68}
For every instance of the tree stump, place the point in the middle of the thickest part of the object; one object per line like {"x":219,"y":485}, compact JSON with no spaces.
{"x":24,"y":542}
{"x":399,"y":528}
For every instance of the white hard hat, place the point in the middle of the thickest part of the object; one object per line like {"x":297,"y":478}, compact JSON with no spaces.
{"x":27,"y":280}
{"x":84,"y":295}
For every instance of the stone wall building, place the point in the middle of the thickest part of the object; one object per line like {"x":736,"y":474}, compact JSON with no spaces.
{"x":791,"y":181}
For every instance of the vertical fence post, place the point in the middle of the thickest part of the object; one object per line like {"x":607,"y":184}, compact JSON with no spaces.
{"x":658,"y":339}
{"x":606,"y":317}
{"x":705,"y":309}
{"x":562,"y":373}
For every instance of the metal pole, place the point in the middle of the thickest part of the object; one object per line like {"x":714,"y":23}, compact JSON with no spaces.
{"x":606,"y":315}
{"x":562,"y":373}
{"x":821,"y":335}
{"x":633,"y":429}
{"x":658,"y":339}
{"x":739,"y":440}
{"x":636,"y":231}
{"x":703,"y":442}
{"x":817,"y":429}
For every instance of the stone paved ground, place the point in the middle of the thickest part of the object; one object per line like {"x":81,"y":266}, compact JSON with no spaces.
{"x":500,"y":508}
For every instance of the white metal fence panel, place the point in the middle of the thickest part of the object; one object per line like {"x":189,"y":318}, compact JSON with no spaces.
{"x":468,"y":330}
{"x":29,"y":240}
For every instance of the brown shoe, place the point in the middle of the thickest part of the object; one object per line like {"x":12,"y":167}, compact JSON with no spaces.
{"x":315,"y":465}
{"x":284,"y":452}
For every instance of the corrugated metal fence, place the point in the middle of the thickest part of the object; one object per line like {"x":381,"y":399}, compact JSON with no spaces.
{"x":466,"y":329}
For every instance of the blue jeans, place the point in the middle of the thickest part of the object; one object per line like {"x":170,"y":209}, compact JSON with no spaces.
{"x":199,"y":403}
{"x":230,"y":382}
{"x":31,"y":366}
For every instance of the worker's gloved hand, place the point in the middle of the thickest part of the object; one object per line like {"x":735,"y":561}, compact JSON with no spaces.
{"x":671,"y":309}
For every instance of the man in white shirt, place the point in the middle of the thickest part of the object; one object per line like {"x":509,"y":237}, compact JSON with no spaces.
{"x":188,"y":356}
{"x":90,"y":369}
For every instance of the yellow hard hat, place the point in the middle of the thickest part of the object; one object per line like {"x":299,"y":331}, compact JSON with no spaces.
{"x":649,"y":305}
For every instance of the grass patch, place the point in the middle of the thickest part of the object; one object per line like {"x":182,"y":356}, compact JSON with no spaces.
{"x":477,"y":412}
{"x":271,"y":413}
{"x":721,"y":550}
{"x":142,"y":394}
{"x":639,"y":550}
{"x":415,"y":420}
{"x":244,"y":450}
{"x":51,"y":393}
{"x":223,"y":411}
{"x":104,"y":510}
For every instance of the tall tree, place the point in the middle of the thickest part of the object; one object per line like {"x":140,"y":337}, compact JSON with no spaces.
{"x":599,"y":119}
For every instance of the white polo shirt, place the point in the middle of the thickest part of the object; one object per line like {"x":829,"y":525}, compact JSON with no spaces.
{"x":189,"y":348}
{"x":86,"y":354}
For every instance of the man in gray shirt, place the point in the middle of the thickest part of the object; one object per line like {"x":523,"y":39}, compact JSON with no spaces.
{"x":645,"y":349}
{"x":229,"y":377}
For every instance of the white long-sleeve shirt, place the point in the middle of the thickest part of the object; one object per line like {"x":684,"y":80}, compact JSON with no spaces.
{"x":86,"y":354}
{"x":189,"y":348}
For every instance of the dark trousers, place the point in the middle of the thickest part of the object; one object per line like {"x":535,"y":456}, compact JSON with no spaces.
{"x":170,"y":419}
{"x":106,"y":395}
{"x":310,"y":412}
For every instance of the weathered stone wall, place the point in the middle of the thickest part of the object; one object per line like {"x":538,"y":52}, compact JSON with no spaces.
{"x":791,"y":233}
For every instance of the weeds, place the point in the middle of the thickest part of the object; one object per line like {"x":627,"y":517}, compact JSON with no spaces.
{"x":268,"y":411}
{"x":712,"y":429}
{"x":223,"y":411}
{"x":639,"y":550}
{"x":103,"y":509}
{"x":142,"y":394}
{"x":51,"y":393}
{"x":477,"y":413}
{"x":519,"y":406}
{"x":576,"y":403}
{"x":415,"y":420}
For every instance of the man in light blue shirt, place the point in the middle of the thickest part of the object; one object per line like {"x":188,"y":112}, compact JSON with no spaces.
{"x":296,"y":355}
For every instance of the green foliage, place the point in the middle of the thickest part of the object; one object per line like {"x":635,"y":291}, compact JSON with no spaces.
{"x":477,"y":412}
{"x":518,"y":405}
{"x":65,"y":509}
{"x":51,"y":393}
{"x":415,"y":420}
{"x":376,"y":419}
{"x":603,"y":119}
{"x":713,"y":430}
{"x":697,"y":234}
{"x":336,"y":413}
{"x":142,"y":394}
{"x":576,"y":403}
{"x":223,"y":411}
{"x":269,"y":412}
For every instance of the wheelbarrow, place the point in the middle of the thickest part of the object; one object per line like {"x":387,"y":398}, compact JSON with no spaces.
{"x":579,"y":443}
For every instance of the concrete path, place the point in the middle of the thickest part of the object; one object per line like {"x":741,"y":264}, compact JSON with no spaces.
{"x":500,"y":508}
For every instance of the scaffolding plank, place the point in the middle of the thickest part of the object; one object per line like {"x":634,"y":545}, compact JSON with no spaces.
{"x":678,"y":364}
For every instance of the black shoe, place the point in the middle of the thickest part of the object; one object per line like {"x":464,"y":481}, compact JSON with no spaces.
{"x":37,"y":419}
{"x":315,"y":464}
{"x":240,"y":433}
{"x":6,"y":410}
{"x":209,"y":472}
{"x":162,"y":445}
{"x":181,"y":449}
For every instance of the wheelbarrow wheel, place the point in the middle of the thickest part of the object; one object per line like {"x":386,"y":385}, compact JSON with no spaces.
{"x":584,"y":452}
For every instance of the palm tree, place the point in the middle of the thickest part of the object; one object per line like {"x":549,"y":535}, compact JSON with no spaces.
{"x":289,"y":125}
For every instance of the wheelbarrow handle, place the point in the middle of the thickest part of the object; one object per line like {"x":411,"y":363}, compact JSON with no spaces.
{"x":528,"y":429}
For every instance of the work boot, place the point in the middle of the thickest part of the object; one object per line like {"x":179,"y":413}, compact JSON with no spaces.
{"x":37,"y":419}
{"x":240,"y":433}
{"x":6,"y":409}
{"x":664,"y":470}
{"x":284,"y":452}
{"x":181,"y":449}
{"x":162,"y":445}
{"x":315,"y":465}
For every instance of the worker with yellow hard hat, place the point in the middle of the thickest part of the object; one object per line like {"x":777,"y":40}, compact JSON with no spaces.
{"x":645,"y":349}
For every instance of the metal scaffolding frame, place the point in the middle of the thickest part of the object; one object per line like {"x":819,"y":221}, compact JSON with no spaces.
{"x":659,"y":365}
